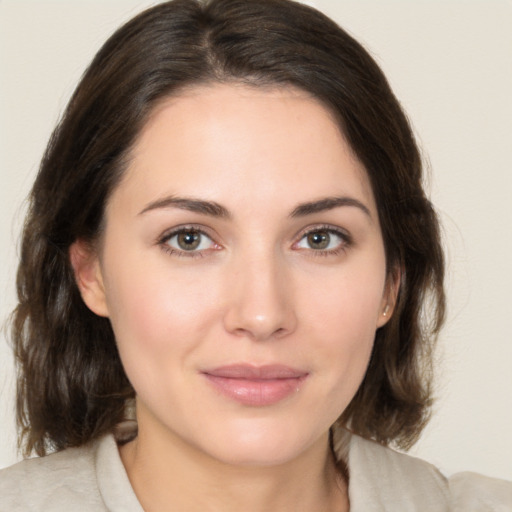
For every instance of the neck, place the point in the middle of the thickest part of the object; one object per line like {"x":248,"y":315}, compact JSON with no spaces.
{"x":168,"y":474}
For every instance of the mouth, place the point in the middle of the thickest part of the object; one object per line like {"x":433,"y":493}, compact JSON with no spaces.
{"x":256,"y":386}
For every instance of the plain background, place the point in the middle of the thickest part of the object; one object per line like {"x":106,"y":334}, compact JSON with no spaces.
{"x":450,"y":63}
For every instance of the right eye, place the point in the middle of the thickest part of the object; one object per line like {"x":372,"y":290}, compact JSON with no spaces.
{"x":187,"y":240}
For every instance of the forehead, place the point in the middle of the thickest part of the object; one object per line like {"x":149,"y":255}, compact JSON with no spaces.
{"x":225,"y":141}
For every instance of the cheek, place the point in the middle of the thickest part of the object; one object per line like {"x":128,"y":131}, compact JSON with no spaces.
{"x":159,"y":321}
{"x":348,"y":303}
{"x":154,"y":310}
{"x":343,"y":317}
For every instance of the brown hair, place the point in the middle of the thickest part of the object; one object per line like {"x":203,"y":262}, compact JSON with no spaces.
{"x":71,"y":384}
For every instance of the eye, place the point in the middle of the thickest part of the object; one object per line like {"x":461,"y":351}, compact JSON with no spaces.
{"x":324,"y":240}
{"x":189,"y":240}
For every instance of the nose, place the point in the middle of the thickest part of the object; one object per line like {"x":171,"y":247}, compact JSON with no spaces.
{"x":261,"y":303}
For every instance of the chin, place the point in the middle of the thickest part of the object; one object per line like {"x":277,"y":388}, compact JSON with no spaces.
{"x":260,"y":446}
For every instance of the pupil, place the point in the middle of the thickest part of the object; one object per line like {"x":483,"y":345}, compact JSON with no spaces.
{"x":319,"y":240}
{"x":188,"y":240}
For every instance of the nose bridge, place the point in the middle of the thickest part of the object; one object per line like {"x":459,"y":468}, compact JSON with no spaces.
{"x":261,"y":302}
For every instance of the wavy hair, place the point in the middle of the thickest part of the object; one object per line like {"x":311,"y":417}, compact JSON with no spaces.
{"x":71,"y":384}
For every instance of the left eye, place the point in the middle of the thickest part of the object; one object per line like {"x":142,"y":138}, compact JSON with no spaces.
{"x":190,"y":240}
{"x":321,"y":240}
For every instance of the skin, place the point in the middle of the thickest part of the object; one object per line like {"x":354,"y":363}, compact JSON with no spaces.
{"x":256,"y":290}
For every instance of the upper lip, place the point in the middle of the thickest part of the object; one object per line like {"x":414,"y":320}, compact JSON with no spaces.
{"x":254,"y":372}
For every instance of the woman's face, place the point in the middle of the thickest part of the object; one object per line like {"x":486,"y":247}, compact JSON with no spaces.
{"x":242,"y":267}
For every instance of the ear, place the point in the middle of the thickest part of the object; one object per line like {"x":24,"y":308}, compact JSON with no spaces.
{"x":89,"y":279}
{"x":390,"y":296}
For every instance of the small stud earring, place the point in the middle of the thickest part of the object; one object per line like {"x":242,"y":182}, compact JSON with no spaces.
{"x":386,"y":309}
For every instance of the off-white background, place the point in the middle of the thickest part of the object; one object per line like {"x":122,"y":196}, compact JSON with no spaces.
{"x":450,"y":62}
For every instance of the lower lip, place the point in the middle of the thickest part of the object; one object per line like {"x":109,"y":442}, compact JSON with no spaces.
{"x":257,"y":392}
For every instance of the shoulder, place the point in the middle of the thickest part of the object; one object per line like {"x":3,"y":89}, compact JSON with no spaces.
{"x":386,"y":480}
{"x":61,"y":481}
{"x":471,"y":491}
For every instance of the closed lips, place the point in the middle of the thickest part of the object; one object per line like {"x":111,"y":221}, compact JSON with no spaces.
{"x":250,"y":372}
{"x":256,"y":385}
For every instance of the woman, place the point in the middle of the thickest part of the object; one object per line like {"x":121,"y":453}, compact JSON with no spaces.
{"x":228,"y":231}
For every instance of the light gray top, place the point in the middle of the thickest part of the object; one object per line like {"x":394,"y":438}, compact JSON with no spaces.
{"x":93,"y":479}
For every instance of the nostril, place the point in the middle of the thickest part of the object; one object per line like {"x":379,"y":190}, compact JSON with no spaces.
{"x":260,"y":306}
{"x":260,"y":332}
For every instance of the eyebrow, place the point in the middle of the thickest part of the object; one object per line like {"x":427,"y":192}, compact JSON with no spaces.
{"x":214,"y":209}
{"x":328,"y":203}
{"x":210,"y":208}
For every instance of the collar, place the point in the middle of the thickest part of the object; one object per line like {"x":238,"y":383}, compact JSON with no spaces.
{"x":384,"y":480}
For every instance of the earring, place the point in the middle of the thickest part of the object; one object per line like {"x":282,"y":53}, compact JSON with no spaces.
{"x":386,"y":309}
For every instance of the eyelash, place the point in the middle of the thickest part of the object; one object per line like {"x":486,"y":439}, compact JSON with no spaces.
{"x":164,"y":239}
{"x":346,"y":241}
